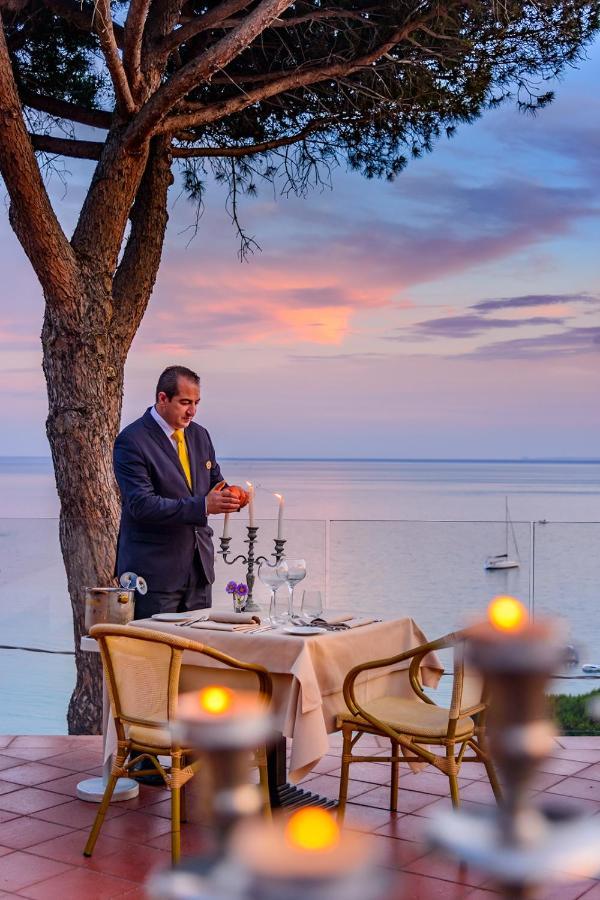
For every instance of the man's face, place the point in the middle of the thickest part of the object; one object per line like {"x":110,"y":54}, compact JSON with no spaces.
{"x":181,"y":409}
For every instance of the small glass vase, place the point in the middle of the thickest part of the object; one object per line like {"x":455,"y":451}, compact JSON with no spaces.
{"x":239,"y":602}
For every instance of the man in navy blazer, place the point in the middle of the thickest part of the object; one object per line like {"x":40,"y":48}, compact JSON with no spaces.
{"x":164,"y":535}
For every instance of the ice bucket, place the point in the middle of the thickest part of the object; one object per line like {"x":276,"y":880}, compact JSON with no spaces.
{"x":108,"y":605}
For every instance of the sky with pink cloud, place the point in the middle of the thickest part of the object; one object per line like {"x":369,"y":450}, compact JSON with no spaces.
{"x":452,"y":313}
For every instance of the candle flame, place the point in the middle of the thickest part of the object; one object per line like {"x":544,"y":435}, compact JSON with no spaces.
{"x":249,"y":483}
{"x":312,"y":829}
{"x":507,"y":614}
{"x":279,"y":497}
{"x":215,"y":700}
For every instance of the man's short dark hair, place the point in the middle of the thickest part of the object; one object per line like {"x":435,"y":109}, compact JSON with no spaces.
{"x":168,"y":382}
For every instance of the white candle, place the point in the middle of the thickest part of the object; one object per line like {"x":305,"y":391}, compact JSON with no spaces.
{"x":226,"y":525}
{"x":280,"y":517}
{"x":251,"y":504}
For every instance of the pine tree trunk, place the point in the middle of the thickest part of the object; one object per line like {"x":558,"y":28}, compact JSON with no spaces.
{"x":84,"y":374}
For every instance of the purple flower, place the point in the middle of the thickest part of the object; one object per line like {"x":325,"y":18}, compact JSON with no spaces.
{"x":231,"y":587}
{"x":241,"y":589}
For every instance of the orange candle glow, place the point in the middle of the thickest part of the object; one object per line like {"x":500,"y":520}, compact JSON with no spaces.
{"x":215,"y":700}
{"x":312,"y":830}
{"x":507,"y":614}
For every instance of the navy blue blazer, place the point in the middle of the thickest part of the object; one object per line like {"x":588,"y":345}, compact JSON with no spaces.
{"x":163,"y":521}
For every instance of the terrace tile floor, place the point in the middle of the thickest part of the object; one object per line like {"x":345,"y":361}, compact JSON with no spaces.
{"x":43,"y":826}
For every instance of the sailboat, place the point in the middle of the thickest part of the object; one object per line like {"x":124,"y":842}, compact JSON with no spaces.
{"x":503,"y":560}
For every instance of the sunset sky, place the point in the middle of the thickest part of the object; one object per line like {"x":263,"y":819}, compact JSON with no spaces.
{"x":452,"y":313}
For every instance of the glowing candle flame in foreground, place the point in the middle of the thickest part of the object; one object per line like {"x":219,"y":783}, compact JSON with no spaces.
{"x":215,"y":700}
{"x":312,"y":829}
{"x":507,"y":614}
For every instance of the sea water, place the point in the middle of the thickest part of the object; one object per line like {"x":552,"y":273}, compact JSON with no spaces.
{"x":390,"y":538}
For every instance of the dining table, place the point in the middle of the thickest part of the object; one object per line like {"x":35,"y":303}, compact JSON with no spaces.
{"x":308,"y":672}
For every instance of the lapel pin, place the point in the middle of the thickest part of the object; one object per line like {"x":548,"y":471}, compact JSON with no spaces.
{"x":208,"y":464}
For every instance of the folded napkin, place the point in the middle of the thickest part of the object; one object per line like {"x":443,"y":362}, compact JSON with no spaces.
{"x":233,"y":618}
{"x":332,"y":618}
{"x":342,"y":622}
{"x":212,"y":625}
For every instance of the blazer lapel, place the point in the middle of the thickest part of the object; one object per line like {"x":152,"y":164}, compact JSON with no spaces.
{"x":165,"y":444}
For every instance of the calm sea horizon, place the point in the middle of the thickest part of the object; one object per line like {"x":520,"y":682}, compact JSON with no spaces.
{"x":386,"y":536}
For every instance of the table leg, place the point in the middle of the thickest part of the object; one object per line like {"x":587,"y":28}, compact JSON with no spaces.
{"x":281,"y":792}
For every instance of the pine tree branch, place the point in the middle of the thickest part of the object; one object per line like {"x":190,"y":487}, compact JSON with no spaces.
{"x":201,"y":69}
{"x":47,"y":143}
{"x":45,"y":244}
{"x":62,"y":109}
{"x":210,"y":19}
{"x":254,"y":149}
{"x":293,"y":81}
{"x":104,"y":27}
{"x":132,"y":49}
{"x":84,"y":19}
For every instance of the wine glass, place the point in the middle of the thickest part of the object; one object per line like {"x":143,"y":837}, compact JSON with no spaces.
{"x":273,"y":576}
{"x":312,"y":606}
{"x":296,"y":571}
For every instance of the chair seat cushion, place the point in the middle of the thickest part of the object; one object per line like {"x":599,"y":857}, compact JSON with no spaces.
{"x":411,"y":717}
{"x":151,"y":737}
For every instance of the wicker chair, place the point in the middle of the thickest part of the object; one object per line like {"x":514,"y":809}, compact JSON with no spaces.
{"x":414,"y":724}
{"x":142,"y":669}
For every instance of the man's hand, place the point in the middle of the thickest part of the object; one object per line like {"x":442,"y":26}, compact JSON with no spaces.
{"x":221,"y":500}
{"x":242,"y":495}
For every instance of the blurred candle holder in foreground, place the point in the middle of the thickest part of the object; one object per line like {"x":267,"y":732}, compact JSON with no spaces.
{"x":302,"y":856}
{"x":519,"y":845}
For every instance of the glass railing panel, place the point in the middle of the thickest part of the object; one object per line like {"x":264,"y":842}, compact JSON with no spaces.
{"x":566,"y":577}
{"x":35,"y":613}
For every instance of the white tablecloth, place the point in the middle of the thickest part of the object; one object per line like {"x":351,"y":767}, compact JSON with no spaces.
{"x":308,"y":675}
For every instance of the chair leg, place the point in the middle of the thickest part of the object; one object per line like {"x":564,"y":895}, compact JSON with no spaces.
{"x":452,"y":775}
{"x":108,"y":792}
{"x":493,"y":778}
{"x":175,"y":809}
{"x":395,"y":773}
{"x":345,"y":773}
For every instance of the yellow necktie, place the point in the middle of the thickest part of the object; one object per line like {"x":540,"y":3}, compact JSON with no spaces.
{"x":179,"y":438}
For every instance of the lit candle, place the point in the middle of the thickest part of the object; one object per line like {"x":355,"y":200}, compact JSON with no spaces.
{"x":251,"y":504}
{"x":305,"y":856}
{"x":217,"y":717}
{"x":280,"y":517}
{"x":226,"y":525}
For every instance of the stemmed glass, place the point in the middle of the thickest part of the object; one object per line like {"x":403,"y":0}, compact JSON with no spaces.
{"x":295,"y":572}
{"x":273,"y":576}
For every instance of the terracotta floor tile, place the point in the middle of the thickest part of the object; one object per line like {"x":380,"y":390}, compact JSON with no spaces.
{"x":41,"y":740}
{"x":76,"y":885}
{"x":586,"y":788}
{"x":593,"y":893}
{"x":31,"y":754}
{"x":419,"y":887}
{"x":589,"y":756}
{"x":18,"y":870}
{"x":6,"y":739}
{"x":365,"y":818}
{"x":541,"y":781}
{"x":7,"y":816}
{"x":562,"y":766}
{"x":31,"y":773}
{"x":567,"y":891}
{"x":136,"y":827}
{"x":445,"y":803}
{"x":326,"y":765}
{"x":195,"y":840}
{"x":329,"y":786}
{"x":591,"y":742}
{"x":479,"y":791}
{"x":589,"y":771}
{"x":29,"y":800}
{"x":68,"y":848}
{"x":5,"y":850}
{"x":429,"y":782}
{"x":77,"y":813}
{"x":136,"y":862}
{"x":407,"y":828}
{"x":66,"y":783}
{"x":7,"y":762}
{"x":379,"y":797}
{"x":567,"y":803}
{"x":25,"y":831}
{"x":394,"y":851}
{"x":435,"y":866}
{"x":78,"y":760}
{"x":374,"y":773}
{"x":6,"y":787}
{"x":162,"y":809}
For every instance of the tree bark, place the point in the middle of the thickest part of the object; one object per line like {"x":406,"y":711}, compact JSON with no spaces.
{"x":84,"y":361}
